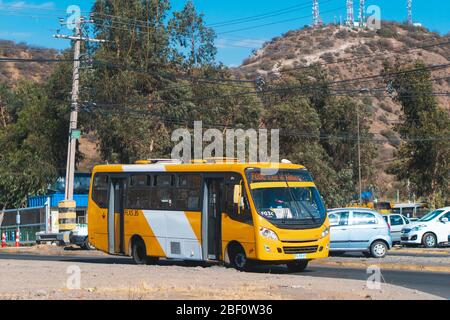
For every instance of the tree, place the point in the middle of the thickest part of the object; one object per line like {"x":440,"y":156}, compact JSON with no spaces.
{"x":193,"y":40}
{"x":423,"y":157}
{"x":29,"y":145}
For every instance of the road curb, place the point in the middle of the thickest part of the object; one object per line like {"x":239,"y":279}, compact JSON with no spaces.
{"x":436,"y":252}
{"x":389,"y":266}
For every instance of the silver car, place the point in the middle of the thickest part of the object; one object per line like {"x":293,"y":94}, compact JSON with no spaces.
{"x":397,"y":222}
{"x":359,"y":230}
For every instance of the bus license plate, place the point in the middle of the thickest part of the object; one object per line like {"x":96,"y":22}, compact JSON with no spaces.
{"x":302,"y":256}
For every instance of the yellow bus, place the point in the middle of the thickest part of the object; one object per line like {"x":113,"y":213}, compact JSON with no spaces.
{"x":208,"y":211}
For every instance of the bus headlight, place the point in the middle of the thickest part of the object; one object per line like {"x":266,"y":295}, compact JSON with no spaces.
{"x":267,"y":233}
{"x":325,"y":232}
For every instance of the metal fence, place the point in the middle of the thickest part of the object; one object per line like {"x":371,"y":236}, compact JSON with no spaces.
{"x":27,"y":221}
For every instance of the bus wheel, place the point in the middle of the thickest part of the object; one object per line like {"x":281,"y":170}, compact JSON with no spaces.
{"x":139,"y":252}
{"x":297,"y":266}
{"x":238,"y":259}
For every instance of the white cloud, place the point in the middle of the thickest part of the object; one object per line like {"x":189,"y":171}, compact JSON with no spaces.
{"x":23,"y":5}
{"x":19,"y":35}
{"x":222,"y":43}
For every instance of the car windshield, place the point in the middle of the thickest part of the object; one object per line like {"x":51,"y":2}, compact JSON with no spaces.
{"x":289,"y":204}
{"x":431,"y":216}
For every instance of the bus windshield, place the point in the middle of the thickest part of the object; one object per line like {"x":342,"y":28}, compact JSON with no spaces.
{"x":294,"y":204}
{"x":283,"y":198}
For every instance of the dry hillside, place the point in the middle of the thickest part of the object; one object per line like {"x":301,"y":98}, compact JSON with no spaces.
{"x":11,"y":72}
{"x":351,"y":53}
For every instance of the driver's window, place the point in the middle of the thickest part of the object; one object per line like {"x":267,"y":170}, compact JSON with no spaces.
{"x":236,"y":212}
{"x":447,"y":215}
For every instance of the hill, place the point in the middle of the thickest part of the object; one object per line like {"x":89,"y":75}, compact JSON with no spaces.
{"x":348,"y":53}
{"x":11,"y":72}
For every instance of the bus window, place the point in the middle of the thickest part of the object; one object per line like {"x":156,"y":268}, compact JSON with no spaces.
{"x":188,"y":193}
{"x":232,"y":209}
{"x":139,"y":192}
{"x":100,"y":191}
{"x":163,"y":193}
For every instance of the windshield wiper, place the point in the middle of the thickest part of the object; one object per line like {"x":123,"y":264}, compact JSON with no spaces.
{"x":297,"y":203}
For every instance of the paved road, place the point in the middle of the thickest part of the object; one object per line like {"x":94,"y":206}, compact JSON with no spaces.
{"x":433,"y":283}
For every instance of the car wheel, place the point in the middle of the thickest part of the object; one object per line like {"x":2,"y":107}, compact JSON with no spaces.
{"x":378,"y":249}
{"x":139,"y":252}
{"x":238,"y":259}
{"x":429,"y":240}
{"x":297,"y":266}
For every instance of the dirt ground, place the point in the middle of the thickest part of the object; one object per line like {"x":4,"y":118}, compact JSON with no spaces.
{"x":40,"y":279}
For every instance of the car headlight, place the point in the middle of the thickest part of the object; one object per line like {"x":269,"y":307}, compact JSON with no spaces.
{"x":325,"y":232}
{"x":418,"y":228}
{"x":267,"y":233}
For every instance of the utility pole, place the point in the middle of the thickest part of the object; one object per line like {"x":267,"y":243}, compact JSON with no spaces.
{"x":359,"y":157}
{"x":74,"y":107}
{"x":74,"y":133}
{"x":362,"y":91}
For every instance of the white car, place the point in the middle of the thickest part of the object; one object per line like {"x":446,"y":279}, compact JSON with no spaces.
{"x":431,"y":231}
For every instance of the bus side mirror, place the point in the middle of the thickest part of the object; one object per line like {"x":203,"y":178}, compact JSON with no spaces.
{"x":237,"y":198}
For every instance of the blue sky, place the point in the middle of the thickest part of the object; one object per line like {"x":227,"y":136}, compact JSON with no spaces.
{"x":35,"y":21}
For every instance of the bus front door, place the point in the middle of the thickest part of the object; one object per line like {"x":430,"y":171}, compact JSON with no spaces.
{"x":212,"y":219}
{"x":116,"y":215}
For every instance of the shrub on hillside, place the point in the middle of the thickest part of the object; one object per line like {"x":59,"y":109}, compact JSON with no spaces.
{"x":386,"y":108}
{"x":391,"y":137}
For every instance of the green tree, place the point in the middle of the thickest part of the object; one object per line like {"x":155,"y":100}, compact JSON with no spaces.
{"x":423,"y":157}
{"x":193,"y":40}
{"x":29,"y":145}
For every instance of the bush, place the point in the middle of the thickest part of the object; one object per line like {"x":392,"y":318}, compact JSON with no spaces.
{"x":391,"y":137}
{"x":327,"y":57}
{"x":386,"y":108}
{"x":383,"y":119}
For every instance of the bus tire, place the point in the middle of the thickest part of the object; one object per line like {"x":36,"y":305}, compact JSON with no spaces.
{"x":238,"y":258}
{"x":297,"y":266}
{"x":139,"y":252}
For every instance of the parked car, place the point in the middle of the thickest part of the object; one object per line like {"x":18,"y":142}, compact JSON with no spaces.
{"x":431,"y":231}
{"x":359,"y":230}
{"x":397,"y":222}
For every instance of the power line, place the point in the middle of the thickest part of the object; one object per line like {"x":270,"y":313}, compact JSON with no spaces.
{"x":347,"y":136}
{"x":37,"y":60}
{"x":277,"y":22}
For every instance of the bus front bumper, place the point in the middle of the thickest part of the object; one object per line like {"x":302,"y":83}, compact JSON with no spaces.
{"x":277,"y":251}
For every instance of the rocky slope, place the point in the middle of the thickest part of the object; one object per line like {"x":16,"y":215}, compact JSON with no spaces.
{"x":349,"y":53}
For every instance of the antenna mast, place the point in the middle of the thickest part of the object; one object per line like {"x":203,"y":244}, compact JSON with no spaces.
{"x":350,"y":17}
{"x":362,"y":14}
{"x":410,"y":17}
{"x":316,"y":13}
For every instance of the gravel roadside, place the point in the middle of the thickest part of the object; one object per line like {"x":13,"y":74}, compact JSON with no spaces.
{"x":48,"y":280}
